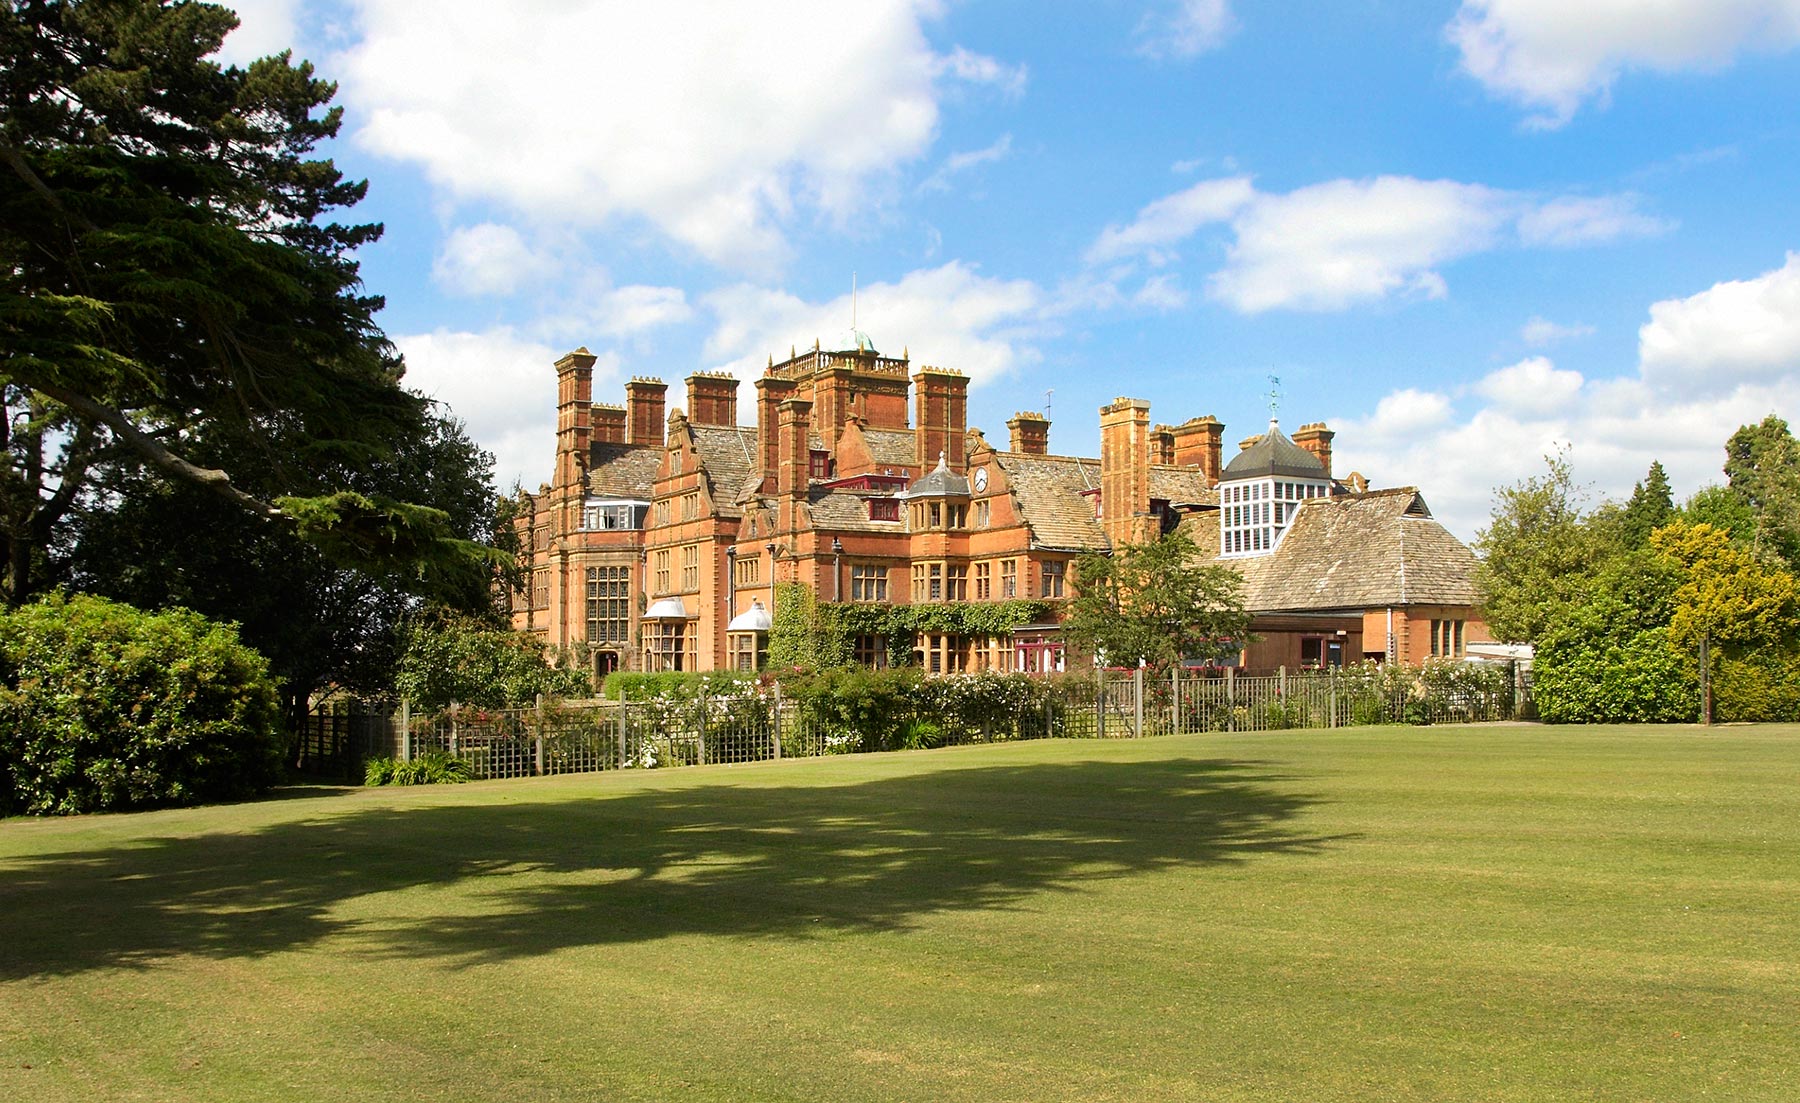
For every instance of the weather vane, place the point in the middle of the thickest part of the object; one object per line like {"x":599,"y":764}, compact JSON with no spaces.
{"x":1047,"y":395}
{"x":1274,"y":395}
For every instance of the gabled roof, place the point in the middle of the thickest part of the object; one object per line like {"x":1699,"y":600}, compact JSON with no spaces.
{"x":622,"y":470}
{"x":1274,"y":454}
{"x":1049,"y":492}
{"x":1355,"y":551}
{"x":728,"y":456}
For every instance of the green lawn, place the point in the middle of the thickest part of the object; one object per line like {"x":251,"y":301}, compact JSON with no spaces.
{"x":1509,"y":913}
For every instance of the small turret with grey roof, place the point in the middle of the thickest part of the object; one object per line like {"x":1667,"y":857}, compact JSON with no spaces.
{"x":1261,"y":489}
{"x":941,"y":483}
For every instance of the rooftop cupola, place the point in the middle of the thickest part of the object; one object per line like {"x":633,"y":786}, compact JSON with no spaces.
{"x":1261,"y":490}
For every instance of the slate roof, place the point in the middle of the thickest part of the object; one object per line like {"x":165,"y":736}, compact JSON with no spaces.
{"x":1049,"y":492}
{"x":941,"y":482}
{"x":728,"y":456}
{"x":892,"y":447}
{"x":1355,"y":551}
{"x":1181,"y":486}
{"x":1274,"y":454}
{"x":622,"y":470}
{"x":845,"y":511}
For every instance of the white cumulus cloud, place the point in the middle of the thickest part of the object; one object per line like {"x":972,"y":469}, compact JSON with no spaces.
{"x":1335,"y":244}
{"x":503,"y":385}
{"x":264,"y":27}
{"x":1551,"y":56}
{"x":1724,"y":357}
{"x":951,"y":316}
{"x":1185,"y":28}
{"x":1534,"y":387}
{"x":1736,"y":331}
{"x":487,"y":259}
{"x":715,"y":123}
{"x":1539,"y":331}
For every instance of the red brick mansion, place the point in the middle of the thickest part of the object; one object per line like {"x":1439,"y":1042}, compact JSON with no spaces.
{"x":661,"y":536}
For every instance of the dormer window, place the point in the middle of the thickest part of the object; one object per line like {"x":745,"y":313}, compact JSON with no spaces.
{"x":884,"y":509}
{"x":822,"y":466}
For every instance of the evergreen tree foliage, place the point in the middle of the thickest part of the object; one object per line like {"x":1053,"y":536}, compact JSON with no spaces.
{"x":170,"y":272}
{"x":1155,"y":604}
{"x":1652,"y":506}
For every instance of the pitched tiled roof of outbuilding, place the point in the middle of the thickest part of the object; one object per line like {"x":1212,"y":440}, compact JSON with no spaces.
{"x":1355,"y":551}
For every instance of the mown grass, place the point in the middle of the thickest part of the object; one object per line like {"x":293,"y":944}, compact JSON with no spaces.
{"x":1487,"y":914}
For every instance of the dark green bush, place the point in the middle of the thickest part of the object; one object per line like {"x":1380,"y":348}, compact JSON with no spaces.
{"x":106,"y":707}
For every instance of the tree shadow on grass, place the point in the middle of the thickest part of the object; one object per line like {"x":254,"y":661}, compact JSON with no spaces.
{"x":470,"y":882}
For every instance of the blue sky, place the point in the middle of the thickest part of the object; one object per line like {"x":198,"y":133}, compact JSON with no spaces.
{"x":1463,"y":234}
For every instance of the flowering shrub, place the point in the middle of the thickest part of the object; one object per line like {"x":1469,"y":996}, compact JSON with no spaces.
{"x":107,"y":707}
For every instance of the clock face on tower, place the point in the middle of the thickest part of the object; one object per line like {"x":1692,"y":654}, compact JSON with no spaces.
{"x":980,"y":479}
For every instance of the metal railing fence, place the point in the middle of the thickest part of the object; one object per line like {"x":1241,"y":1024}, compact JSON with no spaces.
{"x":752,"y":723}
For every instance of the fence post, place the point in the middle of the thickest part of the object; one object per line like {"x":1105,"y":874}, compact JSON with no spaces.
{"x":700,"y":724}
{"x":1137,"y":712}
{"x":775,"y":724}
{"x":1175,"y":699}
{"x":1099,"y":702}
{"x":621,"y":725}
{"x":1049,"y":717}
{"x":1333,"y":684}
{"x":537,"y":760}
{"x":1231,"y":698}
{"x":1281,"y":684}
{"x":455,"y":751}
{"x":405,"y":729}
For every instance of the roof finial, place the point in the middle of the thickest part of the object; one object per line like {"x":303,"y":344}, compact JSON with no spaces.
{"x":1274,"y":397}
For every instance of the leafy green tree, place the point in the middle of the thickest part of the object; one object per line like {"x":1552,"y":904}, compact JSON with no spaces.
{"x":169,"y":271}
{"x":1762,"y":466}
{"x":1723,"y":509}
{"x":450,"y":658}
{"x":1536,"y":553}
{"x":1604,"y":657}
{"x":1154,"y":604}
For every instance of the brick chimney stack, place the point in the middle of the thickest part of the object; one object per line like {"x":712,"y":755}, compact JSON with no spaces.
{"x":1315,"y":438}
{"x":771,"y":392}
{"x":1197,"y":444}
{"x":609,"y":423}
{"x":1030,"y":433}
{"x":644,"y":409}
{"x":1162,"y":445}
{"x":1125,"y":472}
{"x":712,"y":398}
{"x":794,"y":428}
{"x":941,"y":421}
{"x":574,"y":429}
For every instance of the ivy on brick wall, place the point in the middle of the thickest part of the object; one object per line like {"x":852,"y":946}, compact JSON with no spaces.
{"x":813,"y":635}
